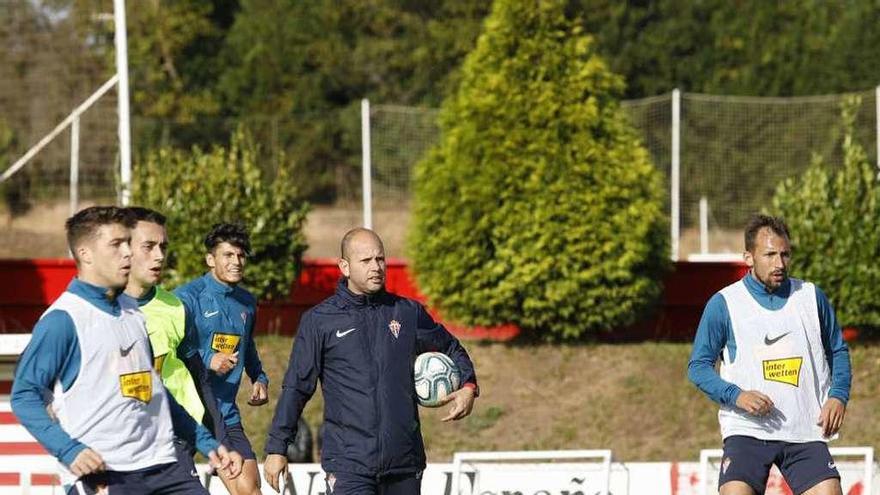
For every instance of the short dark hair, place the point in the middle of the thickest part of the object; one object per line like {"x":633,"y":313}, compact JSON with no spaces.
{"x":142,"y":214}
{"x":84,"y":224}
{"x":757,"y":222}
{"x":233,"y":233}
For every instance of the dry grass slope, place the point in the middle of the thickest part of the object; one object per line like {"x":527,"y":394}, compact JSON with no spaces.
{"x":40,"y":232}
{"x":634,"y":399}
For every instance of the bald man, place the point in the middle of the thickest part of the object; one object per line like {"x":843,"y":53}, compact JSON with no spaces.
{"x":361,"y":343}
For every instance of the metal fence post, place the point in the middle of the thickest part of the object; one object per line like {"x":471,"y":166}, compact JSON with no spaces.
{"x":124,"y":130}
{"x":675,"y":175}
{"x":74,"y":165}
{"x":366,"y":164}
{"x":704,"y":225}
{"x":877,"y":122}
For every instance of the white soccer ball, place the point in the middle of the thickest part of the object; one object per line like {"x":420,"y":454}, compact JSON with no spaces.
{"x":436,"y":376}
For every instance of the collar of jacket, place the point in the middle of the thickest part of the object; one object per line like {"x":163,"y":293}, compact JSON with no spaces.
{"x":215,"y":285}
{"x":100,"y":297}
{"x":146,"y":298}
{"x":760,"y":291}
{"x":349,"y":298}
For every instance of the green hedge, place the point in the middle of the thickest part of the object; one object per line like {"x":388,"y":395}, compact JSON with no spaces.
{"x":539,"y":206}
{"x":196,"y":189}
{"x":834,"y":218}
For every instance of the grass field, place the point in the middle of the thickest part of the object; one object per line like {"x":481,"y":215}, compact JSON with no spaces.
{"x":634,"y":399}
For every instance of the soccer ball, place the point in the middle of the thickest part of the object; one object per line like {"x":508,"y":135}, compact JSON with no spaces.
{"x":436,"y":376}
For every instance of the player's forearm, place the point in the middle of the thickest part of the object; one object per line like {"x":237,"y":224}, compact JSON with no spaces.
{"x":284,"y":424}
{"x":434,"y":337}
{"x":252,"y":364}
{"x":205,"y":442}
{"x":206,"y":356}
{"x":186,"y":427}
{"x":452,"y":347}
{"x":254,"y":369}
{"x":465,"y":366}
{"x":203,"y":386}
{"x":836,"y":350}
{"x":295,"y":393}
{"x":841,"y":374}
{"x":702,"y":374}
{"x":28,"y":406}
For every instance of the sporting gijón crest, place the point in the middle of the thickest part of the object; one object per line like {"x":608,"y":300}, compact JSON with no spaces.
{"x":394,"y":326}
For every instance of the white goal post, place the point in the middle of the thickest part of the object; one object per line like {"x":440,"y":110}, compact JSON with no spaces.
{"x":464,"y":458}
{"x":867,"y":452}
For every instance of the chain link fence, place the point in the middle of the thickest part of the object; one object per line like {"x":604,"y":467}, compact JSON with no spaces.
{"x":734,"y":151}
{"x":50,"y":65}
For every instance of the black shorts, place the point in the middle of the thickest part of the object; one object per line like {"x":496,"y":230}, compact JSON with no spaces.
{"x":803,"y":465}
{"x":357,"y":484}
{"x":236,"y":440}
{"x":185,"y":452}
{"x":165,"y":479}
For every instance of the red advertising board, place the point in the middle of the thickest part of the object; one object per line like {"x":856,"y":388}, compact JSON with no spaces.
{"x":31,"y":285}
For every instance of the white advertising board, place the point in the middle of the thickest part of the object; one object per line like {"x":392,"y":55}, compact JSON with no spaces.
{"x":631,"y":478}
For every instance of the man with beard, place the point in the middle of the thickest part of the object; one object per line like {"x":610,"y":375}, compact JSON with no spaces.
{"x":785,"y":371}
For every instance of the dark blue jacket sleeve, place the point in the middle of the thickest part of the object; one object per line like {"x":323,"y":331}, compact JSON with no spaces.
{"x":713,"y":333}
{"x":300,"y":382}
{"x":836,"y":350}
{"x":189,"y":305}
{"x":189,"y":429}
{"x":188,"y":352}
{"x":51,"y":355}
{"x":252,"y":364}
{"x":434,"y":337}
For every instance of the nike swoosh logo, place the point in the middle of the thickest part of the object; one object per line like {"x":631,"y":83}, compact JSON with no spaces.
{"x":124,"y":352}
{"x":209,"y":314}
{"x":769,"y":341}
{"x":340,"y":333}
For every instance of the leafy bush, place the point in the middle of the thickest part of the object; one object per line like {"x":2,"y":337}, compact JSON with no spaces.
{"x":834,"y":218}
{"x":196,"y":189}
{"x":539,"y":207}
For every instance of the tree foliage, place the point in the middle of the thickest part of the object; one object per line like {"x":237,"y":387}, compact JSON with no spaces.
{"x":312,"y":62}
{"x":834,"y":218}
{"x":747,"y":47}
{"x":196,"y":189}
{"x":539,"y":207}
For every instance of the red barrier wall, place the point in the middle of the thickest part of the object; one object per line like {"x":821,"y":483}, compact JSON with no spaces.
{"x":30,"y":285}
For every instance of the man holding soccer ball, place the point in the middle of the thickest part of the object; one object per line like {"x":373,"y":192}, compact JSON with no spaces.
{"x":361,"y":343}
{"x":785,"y":371}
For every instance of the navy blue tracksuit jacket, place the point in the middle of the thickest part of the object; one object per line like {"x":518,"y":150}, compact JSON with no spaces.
{"x":371,"y":419}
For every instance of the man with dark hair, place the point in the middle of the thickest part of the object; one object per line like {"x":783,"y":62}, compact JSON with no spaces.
{"x":362,"y":343}
{"x":171,"y":330}
{"x":223,"y":317}
{"x":785,"y":371}
{"x":111,"y":421}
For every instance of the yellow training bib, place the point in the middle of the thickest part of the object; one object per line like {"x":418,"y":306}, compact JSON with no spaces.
{"x":137,"y":385}
{"x":225,"y":342}
{"x":786,"y":370}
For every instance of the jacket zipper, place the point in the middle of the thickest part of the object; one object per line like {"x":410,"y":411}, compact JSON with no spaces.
{"x":377,"y":362}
